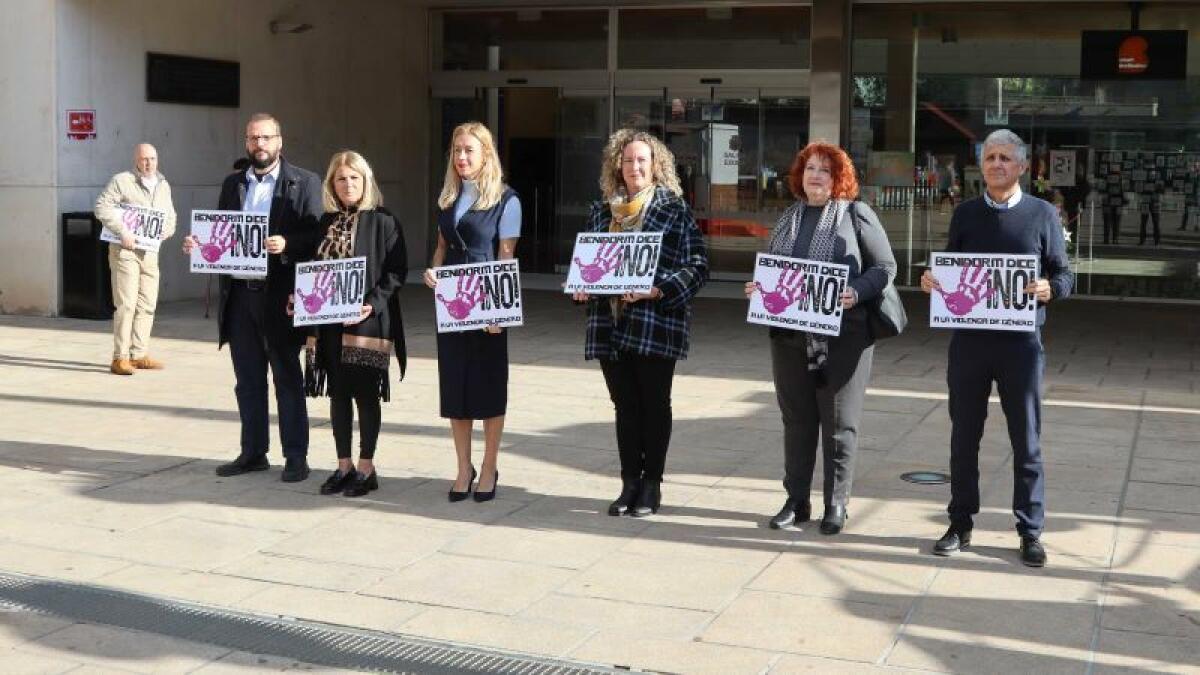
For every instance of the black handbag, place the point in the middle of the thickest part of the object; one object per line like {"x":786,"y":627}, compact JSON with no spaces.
{"x":885,"y":313}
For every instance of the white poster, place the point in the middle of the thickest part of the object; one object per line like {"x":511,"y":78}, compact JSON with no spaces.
{"x":329,"y":291}
{"x":797,"y":294}
{"x":1062,"y":168}
{"x":725,"y":151}
{"x":477,"y":295}
{"x":983,"y":291}
{"x":614,"y":263}
{"x":144,"y":223}
{"x":230,"y":242}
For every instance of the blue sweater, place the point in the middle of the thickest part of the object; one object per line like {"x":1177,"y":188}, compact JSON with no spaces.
{"x":1030,"y":227}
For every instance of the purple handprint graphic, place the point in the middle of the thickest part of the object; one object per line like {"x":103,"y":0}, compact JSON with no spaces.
{"x":789,"y":289}
{"x":131,"y":221}
{"x":470,"y":293}
{"x":322,"y":290}
{"x":974,"y":286}
{"x":608,"y":256}
{"x":220,"y":239}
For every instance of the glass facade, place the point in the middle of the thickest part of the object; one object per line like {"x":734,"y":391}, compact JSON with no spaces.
{"x":1118,"y":156}
{"x":727,"y":88}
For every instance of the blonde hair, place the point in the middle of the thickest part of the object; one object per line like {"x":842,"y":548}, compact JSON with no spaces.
{"x":662,"y":163}
{"x":490,"y":177}
{"x":371,"y":197}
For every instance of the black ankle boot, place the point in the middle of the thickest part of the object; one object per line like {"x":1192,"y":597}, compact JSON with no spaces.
{"x":649,"y":498}
{"x":629,"y":494}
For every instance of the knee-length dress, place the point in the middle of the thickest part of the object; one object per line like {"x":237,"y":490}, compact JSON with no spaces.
{"x":473,"y":364}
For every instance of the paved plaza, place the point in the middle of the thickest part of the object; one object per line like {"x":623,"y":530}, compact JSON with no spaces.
{"x":109,"y":482}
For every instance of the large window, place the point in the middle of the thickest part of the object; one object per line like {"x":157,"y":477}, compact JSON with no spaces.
{"x":1117,"y":157}
{"x":527,"y":39}
{"x":714,"y":37}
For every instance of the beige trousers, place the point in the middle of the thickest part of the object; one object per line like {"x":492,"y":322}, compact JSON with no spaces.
{"x":135,"y":293}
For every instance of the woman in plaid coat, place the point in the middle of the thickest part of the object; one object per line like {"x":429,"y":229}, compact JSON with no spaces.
{"x":638,"y":337}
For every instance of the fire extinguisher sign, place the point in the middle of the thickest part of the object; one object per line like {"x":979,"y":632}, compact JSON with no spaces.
{"x":81,"y":124}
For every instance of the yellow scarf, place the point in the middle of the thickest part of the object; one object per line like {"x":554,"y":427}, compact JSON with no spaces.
{"x":627,"y":212}
{"x":627,"y":217}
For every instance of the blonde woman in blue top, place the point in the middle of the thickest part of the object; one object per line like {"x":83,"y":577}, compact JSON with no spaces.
{"x":479,"y":220}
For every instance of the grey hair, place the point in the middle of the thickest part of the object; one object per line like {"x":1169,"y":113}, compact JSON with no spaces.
{"x":1007,"y":137}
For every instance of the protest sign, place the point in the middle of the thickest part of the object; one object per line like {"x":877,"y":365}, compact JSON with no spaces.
{"x":145,"y":224}
{"x":614,"y":263}
{"x":477,"y":295}
{"x":797,"y":294}
{"x":230,"y":242}
{"x":329,"y":291}
{"x":983,"y":291}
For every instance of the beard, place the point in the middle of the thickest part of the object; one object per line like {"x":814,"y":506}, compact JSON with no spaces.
{"x":261,"y":164}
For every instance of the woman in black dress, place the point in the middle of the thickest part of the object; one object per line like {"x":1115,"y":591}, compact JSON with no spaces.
{"x":479,"y":221}
{"x":349,"y":362}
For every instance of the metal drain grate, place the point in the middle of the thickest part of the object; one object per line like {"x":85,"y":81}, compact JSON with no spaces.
{"x":303,"y":641}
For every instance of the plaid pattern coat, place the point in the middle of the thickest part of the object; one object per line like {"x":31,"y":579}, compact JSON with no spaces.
{"x":660,"y":327}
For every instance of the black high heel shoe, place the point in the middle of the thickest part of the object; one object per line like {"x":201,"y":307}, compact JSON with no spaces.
{"x":649,"y":499}
{"x":338,"y":481}
{"x":362,"y":484}
{"x":488,"y":496}
{"x":456,"y":496}
{"x":629,"y":494}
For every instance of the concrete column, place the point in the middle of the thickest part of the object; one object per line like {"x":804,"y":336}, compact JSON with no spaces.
{"x":899,"y":126}
{"x":29,"y":133}
{"x":830,"y":71}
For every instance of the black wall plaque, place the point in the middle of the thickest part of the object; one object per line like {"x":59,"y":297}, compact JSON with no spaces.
{"x":1133,"y":55}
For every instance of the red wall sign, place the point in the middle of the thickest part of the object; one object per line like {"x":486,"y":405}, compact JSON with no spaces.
{"x":81,"y":124}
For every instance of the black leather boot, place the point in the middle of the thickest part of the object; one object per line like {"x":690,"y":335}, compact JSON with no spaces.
{"x":629,"y":494}
{"x":649,"y":498}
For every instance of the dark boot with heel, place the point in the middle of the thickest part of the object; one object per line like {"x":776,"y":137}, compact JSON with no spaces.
{"x":630,"y":487}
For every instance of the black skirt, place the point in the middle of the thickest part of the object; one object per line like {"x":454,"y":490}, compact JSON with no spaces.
{"x":473,"y":374}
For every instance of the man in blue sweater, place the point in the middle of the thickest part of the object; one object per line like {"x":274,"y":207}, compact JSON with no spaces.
{"x":1002,"y":220}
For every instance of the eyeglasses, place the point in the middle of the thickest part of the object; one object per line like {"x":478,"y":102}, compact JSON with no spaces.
{"x":261,"y":139}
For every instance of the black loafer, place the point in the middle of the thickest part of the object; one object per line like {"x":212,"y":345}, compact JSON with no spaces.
{"x":955,"y":540}
{"x":628,"y":497}
{"x":362,"y":484}
{"x":294,"y":470}
{"x":834,"y":519}
{"x":244,"y":464}
{"x":338,"y":480}
{"x":793,"y":511}
{"x":1032,"y":552}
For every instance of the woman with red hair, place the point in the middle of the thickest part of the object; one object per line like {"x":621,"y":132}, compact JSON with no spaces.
{"x":820,"y":381}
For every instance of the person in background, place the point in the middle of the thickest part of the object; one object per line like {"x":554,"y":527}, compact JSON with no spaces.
{"x":134,"y":271}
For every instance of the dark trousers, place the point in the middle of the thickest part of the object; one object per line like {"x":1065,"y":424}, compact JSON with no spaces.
{"x":1112,"y":223}
{"x":640,"y":388}
{"x":1014,"y":361}
{"x":830,"y":412}
{"x":1151,"y":214}
{"x":252,"y":353}
{"x":350,"y":387}
{"x":1187,"y":209}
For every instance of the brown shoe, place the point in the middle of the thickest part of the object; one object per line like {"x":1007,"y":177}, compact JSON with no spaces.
{"x":147,"y":363}
{"x":121,"y":367}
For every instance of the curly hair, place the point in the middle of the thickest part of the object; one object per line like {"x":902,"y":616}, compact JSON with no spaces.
{"x":845,"y":178}
{"x":662,"y":163}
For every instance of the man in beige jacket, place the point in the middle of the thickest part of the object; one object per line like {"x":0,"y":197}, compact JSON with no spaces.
{"x":134,"y":271}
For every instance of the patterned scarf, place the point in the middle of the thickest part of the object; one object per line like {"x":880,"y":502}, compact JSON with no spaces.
{"x":627,"y":214}
{"x":820,"y":248}
{"x":339,"y":238}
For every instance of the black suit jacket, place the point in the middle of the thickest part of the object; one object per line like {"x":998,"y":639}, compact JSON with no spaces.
{"x":295,"y":209}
